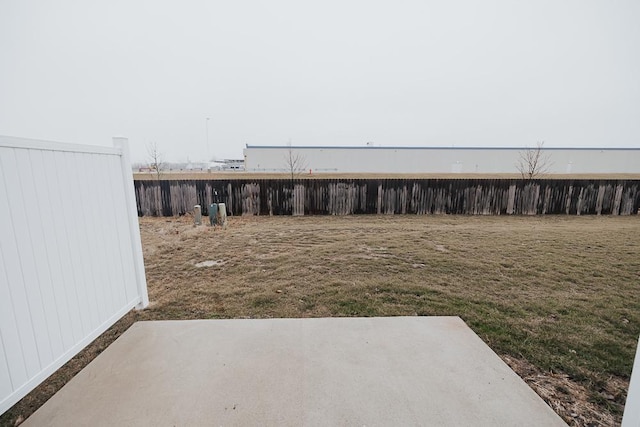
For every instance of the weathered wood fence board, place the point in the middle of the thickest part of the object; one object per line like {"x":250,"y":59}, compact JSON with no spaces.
{"x":391,"y":196}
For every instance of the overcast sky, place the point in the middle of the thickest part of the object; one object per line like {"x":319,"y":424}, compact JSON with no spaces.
{"x":396,"y":73}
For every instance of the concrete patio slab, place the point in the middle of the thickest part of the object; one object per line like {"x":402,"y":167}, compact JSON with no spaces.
{"x":330,"y":371}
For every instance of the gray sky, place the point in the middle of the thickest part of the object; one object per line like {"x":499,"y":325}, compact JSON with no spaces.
{"x":330,"y":72}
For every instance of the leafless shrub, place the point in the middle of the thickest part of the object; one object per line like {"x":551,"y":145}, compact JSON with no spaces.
{"x":156,"y":159}
{"x":295,"y":162}
{"x":534,"y":162}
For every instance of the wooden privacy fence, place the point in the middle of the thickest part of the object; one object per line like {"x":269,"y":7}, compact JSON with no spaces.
{"x":70,"y":270}
{"x":391,"y":196}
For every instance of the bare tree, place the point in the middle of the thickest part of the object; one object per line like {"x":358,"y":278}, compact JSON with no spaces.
{"x":156,"y":161}
{"x":534,"y":162}
{"x":295,"y":162}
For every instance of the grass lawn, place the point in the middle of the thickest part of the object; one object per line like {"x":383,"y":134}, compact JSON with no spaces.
{"x":556,"y":297}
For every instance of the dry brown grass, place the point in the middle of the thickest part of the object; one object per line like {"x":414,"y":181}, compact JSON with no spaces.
{"x":556,"y":297}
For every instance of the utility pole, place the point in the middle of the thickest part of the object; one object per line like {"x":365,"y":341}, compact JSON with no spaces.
{"x":207,"y":141}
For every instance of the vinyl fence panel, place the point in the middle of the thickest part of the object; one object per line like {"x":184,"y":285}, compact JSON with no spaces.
{"x":70,"y":254}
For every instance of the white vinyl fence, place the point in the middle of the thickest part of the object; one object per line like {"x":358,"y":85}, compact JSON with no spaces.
{"x":70,"y":254}
{"x":631,"y":416}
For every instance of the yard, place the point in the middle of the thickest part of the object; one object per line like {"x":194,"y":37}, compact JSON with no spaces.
{"x":556,"y":297}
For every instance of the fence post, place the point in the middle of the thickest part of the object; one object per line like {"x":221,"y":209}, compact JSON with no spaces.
{"x":134,"y":227}
{"x":631,"y":416}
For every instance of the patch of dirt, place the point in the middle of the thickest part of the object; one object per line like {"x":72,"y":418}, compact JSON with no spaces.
{"x":209,"y":263}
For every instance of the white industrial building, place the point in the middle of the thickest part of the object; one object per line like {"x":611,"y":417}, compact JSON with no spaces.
{"x":371,"y":159}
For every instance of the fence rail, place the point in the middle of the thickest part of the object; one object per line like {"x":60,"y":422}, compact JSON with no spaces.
{"x":391,"y":196}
